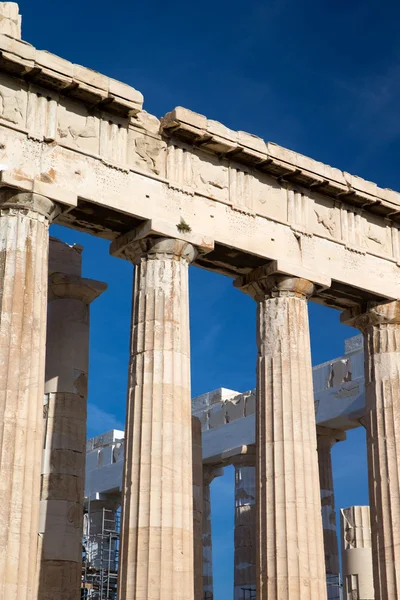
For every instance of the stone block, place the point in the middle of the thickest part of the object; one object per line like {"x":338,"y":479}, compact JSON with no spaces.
{"x":250,"y":405}
{"x":235,"y":408}
{"x":184,"y":116}
{"x":217,"y":416}
{"x":62,"y":487}
{"x":252,"y":141}
{"x":10,"y":19}
{"x":117,"y":88}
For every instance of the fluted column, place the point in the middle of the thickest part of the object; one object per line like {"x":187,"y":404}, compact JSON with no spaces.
{"x":197,"y":508}
{"x":245,"y":524}
{"x":209,"y":474}
{"x":157,"y":511}
{"x":63,"y":466}
{"x":357,"y":554}
{"x":290,"y":561}
{"x":326,"y":438}
{"x":24,"y":222}
{"x":380,"y":325}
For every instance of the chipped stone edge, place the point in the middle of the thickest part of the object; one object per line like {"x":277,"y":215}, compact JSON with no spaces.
{"x":50,"y":71}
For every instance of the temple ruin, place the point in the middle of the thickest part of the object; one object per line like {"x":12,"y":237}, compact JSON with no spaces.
{"x":227,"y":420}
{"x":78,"y":149}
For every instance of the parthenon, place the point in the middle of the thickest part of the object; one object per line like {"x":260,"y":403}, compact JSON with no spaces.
{"x":77,"y":149}
{"x":227,"y":419}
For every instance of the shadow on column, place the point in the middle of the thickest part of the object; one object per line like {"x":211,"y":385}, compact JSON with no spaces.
{"x":64,"y":443}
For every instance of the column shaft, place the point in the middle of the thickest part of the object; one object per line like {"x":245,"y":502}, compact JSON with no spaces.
{"x":382,"y":370}
{"x":245,"y":526}
{"x":290,"y":562}
{"x":380,"y":325}
{"x":24,"y":221}
{"x":197,"y":509}
{"x":209,"y":473}
{"x":63,"y":466}
{"x":157,"y":514}
{"x":332,"y":568}
{"x":382,"y":389}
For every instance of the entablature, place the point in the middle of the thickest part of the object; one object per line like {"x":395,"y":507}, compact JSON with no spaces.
{"x":83,"y":140}
{"x":282,"y":164}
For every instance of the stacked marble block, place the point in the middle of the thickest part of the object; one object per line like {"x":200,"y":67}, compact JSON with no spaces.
{"x":64,"y":420}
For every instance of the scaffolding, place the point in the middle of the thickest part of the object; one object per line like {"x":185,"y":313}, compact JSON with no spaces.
{"x":334,"y":586}
{"x":100,"y":553}
{"x":100,"y":557}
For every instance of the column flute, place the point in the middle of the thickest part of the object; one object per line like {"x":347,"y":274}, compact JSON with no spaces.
{"x":24,"y":240}
{"x":290,"y":555}
{"x":156,"y":561}
{"x":380,"y":324}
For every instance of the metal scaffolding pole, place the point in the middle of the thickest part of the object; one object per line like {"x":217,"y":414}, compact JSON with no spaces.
{"x":100,"y":557}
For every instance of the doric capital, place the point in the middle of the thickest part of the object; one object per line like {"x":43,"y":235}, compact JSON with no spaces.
{"x":13,"y":200}
{"x":326,"y":437}
{"x":372,"y":314}
{"x":62,"y":285}
{"x":210,"y":472}
{"x":259,"y":284}
{"x":165,"y":248}
{"x":157,"y":239}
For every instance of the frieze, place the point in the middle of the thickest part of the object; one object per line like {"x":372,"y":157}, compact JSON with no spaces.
{"x":12,"y":105}
{"x":210,"y":176}
{"x":13,"y":102}
{"x":146,"y":152}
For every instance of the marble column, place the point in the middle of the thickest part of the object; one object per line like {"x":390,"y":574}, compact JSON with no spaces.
{"x":358,"y":581}
{"x":157,"y":510}
{"x":290,"y":557}
{"x":380,"y":325}
{"x":210,"y":472}
{"x":197,"y":508}
{"x":24,"y":238}
{"x":245,"y":525}
{"x":326,"y":439}
{"x":64,"y":454}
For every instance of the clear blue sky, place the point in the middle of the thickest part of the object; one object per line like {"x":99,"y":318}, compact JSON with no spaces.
{"x":321,"y":78}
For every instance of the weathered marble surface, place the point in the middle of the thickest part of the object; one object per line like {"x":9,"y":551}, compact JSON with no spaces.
{"x":65,"y":411}
{"x":380,"y":325}
{"x":290,"y":549}
{"x":24,"y":239}
{"x":197,"y":509}
{"x":156,"y":558}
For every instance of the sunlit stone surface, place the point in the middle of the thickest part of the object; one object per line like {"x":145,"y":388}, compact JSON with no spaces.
{"x":24,"y":239}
